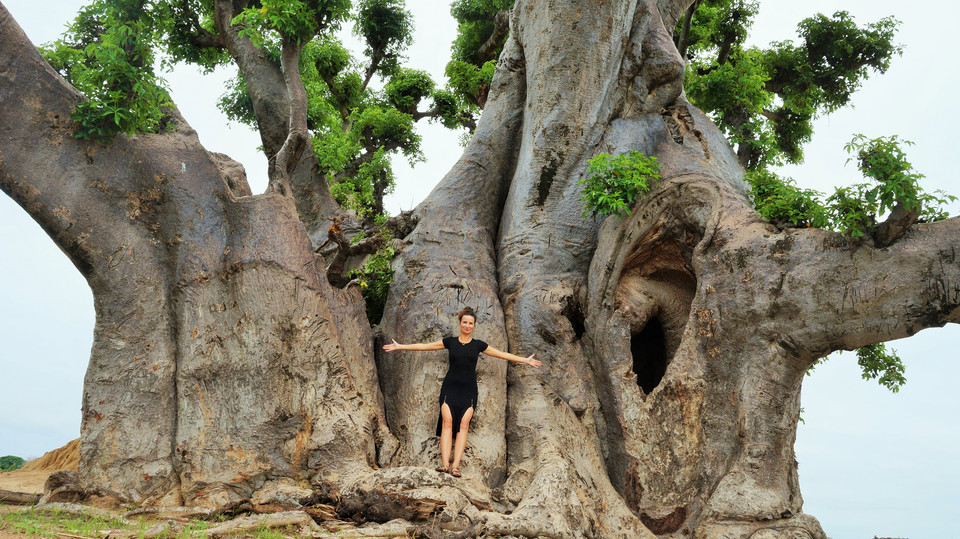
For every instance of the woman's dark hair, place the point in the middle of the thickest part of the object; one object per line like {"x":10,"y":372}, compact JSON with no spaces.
{"x":467,"y":312}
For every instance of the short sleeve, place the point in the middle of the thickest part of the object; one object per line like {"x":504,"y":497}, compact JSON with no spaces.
{"x":481,"y":346}
{"x":446,"y":342}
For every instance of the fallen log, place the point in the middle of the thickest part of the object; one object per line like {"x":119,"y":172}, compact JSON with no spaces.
{"x":18,"y":498}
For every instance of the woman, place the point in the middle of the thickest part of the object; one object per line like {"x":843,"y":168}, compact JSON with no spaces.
{"x":458,"y":395}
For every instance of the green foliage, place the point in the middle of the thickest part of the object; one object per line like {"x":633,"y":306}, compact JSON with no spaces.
{"x":183,"y":22}
{"x":719,"y":25}
{"x":475,"y":24}
{"x":882,"y":365}
{"x":387,"y":30}
{"x":357,"y":192}
{"x":374,"y":278}
{"x":895,"y":182}
{"x":406,"y":88}
{"x":236,"y":102}
{"x":10,"y":463}
{"x":449,"y":109}
{"x":735,"y":94}
{"x":290,"y":21}
{"x":614,"y":183}
{"x":470,"y":81}
{"x":107,"y":54}
{"x":766,"y":99}
{"x":376,"y":126}
{"x":781,"y":202}
{"x":877,"y":362}
{"x":469,"y":73}
{"x":854,"y":209}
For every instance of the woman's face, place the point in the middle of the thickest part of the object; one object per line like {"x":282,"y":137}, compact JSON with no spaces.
{"x":466,"y":324}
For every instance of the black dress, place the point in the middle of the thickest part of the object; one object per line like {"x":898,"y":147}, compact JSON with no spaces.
{"x":459,"y":389}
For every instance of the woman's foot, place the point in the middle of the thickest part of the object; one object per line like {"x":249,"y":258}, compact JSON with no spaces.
{"x":443,"y":469}
{"x":455,"y":472}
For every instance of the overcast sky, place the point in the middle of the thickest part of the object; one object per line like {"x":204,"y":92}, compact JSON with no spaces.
{"x":871,"y":463}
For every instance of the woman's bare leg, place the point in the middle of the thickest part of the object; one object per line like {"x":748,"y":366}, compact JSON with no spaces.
{"x":461,"y":439}
{"x":446,"y":435}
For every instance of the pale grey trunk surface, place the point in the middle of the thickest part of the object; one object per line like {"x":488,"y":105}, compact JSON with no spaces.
{"x":668,"y":401}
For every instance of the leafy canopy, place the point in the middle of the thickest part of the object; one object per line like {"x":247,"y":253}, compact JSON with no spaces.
{"x":10,"y":463}
{"x":765,"y":99}
{"x":855,"y":209}
{"x":107,"y":53}
{"x":481,"y":34}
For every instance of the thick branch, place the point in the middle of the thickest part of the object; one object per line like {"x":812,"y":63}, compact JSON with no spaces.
{"x":897,"y":223}
{"x":684,"y":38}
{"x":18,"y":498}
{"x":375,"y":58}
{"x":345,"y":250}
{"x":848,"y":292}
{"x":264,"y":79}
{"x":89,"y":198}
{"x":501,"y":26}
{"x":198,"y":35}
{"x":464,"y":119}
{"x":297,"y":135}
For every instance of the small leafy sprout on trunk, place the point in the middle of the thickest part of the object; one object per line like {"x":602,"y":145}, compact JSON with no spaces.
{"x":614,"y":183}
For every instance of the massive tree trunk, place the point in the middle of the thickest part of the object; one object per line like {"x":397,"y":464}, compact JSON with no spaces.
{"x":674,"y":339}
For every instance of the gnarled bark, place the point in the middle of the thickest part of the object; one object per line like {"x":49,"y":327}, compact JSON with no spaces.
{"x":219,"y":345}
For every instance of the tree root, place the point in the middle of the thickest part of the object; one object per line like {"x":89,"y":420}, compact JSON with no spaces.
{"x":300,"y":519}
{"x":171,"y":513}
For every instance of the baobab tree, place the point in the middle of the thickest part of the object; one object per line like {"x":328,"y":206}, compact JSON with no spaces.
{"x":674,"y":339}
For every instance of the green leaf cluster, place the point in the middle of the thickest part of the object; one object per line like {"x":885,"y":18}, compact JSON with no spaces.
{"x":781,"y":202}
{"x":359,"y":191}
{"x":290,"y":21}
{"x":10,"y":463}
{"x":614,"y":183}
{"x":374,"y":279}
{"x":854,"y":209}
{"x":387,"y":30}
{"x":765,"y":99}
{"x":883,"y":365}
{"x":469,"y":72}
{"x":877,"y":362}
{"x":107,"y":53}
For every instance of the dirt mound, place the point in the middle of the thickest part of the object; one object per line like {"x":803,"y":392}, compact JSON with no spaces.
{"x":65,"y":458}
{"x":33,"y":475}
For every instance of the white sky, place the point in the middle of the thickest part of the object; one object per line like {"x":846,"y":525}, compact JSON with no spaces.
{"x":871,"y":463}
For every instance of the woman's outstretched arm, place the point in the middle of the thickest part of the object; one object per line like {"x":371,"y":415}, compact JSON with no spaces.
{"x":491,"y":351}
{"x":394,"y":345}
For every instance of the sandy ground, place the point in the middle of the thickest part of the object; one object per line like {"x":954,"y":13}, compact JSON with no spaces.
{"x":24,"y":481}
{"x":20,"y":481}
{"x":31,"y":479}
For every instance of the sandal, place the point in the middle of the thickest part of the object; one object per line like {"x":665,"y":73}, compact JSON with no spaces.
{"x":455,"y":472}
{"x":443,"y":469}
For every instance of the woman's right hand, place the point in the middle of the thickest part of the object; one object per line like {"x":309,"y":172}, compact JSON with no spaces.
{"x":394,"y":345}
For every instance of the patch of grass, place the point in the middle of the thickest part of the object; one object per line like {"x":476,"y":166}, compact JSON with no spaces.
{"x":48,"y":523}
{"x":35,"y":522}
